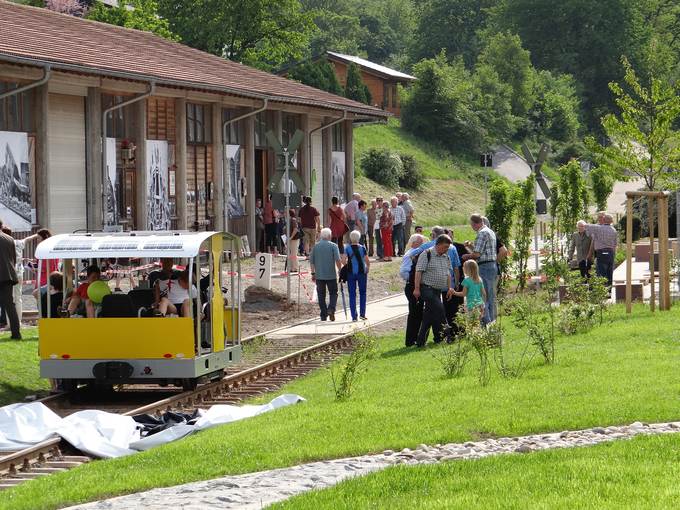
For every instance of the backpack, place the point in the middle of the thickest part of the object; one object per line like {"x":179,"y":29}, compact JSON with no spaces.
{"x":412,"y":272}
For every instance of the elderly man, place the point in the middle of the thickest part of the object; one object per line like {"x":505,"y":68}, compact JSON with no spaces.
{"x":605,"y":239}
{"x":408,"y":208}
{"x":407,"y":271}
{"x":323,"y":261}
{"x":581,"y":243}
{"x":484,"y":252}
{"x":351,"y":210}
{"x":432,"y":280}
{"x":399,"y":220}
{"x":8,"y":279}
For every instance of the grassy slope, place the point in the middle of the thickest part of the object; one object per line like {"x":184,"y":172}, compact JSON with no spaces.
{"x":19,"y":368}
{"x":618,"y":373}
{"x":641,"y":473}
{"x":449,"y":195}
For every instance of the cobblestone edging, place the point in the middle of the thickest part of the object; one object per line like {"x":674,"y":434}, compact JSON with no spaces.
{"x":256,"y":490}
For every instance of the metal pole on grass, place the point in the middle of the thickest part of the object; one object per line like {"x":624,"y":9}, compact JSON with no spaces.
{"x":286,"y":181}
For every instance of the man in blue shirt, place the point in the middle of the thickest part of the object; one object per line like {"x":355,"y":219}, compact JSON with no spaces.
{"x":415,"y":306}
{"x":324,"y":260}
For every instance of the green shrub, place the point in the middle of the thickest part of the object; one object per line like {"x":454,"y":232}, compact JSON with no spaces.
{"x":412,"y":177}
{"x":345,"y":375}
{"x":383,"y":167}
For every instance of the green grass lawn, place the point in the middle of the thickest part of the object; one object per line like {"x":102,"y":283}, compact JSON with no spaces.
{"x":19,"y":371}
{"x":640,"y":473}
{"x":618,"y":373}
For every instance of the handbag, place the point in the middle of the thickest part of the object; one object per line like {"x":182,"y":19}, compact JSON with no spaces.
{"x":345,"y":226}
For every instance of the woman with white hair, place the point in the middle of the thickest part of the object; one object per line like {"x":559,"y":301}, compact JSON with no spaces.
{"x":358,"y":265}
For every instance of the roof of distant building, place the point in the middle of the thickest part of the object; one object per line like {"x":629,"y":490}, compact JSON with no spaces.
{"x":36,"y":36}
{"x":372,"y":66}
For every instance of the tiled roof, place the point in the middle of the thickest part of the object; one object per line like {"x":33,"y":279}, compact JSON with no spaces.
{"x":372,"y":66}
{"x":41,"y":36}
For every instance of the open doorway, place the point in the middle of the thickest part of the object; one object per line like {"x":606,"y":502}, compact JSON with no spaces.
{"x":261,"y":173}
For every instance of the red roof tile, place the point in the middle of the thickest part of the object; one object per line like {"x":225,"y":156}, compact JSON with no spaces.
{"x":43,"y":36}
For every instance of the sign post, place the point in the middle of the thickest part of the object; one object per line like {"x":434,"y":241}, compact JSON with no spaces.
{"x":263,"y":270}
{"x":287,"y":175}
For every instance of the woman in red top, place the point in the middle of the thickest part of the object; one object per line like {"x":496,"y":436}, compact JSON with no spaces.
{"x":269,"y":220}
{"x":386,"y":222}
{"x":336,"y":219}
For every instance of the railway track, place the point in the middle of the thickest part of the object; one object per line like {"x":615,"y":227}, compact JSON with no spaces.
{"x":266,"y":366}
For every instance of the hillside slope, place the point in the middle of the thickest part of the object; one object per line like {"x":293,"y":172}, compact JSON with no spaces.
{"x":455,"y":186}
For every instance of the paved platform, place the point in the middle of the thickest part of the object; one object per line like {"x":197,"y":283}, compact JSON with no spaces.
{"x":377,"y":312}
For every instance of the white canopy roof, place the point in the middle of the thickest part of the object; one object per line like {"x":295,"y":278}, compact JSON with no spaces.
{"x":123,"y":244}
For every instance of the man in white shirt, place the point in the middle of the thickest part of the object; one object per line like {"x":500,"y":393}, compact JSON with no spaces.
{"x":399,"y":219}
{"x":351,"y":211}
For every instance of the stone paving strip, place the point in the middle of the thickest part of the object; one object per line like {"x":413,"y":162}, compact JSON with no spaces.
{"x":257,"y":490}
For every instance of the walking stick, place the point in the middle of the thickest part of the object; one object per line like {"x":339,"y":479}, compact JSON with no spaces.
{"x":342,"y":293}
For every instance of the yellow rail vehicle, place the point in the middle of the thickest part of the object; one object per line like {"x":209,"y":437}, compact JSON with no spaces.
{"x":127,"y":341}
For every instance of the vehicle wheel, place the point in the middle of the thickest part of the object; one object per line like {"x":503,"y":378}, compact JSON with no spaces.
{"x":69,"y":385}
{"x":189,"y":384}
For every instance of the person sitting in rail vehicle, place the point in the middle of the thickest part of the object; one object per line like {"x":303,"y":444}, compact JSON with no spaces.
{"x":56,"y":291}
{"x":160,"y":280}
{"x":79,"y":302}
{"x":178,"y":299}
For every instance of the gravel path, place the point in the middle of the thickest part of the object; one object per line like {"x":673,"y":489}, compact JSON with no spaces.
{"x":256,"y":490}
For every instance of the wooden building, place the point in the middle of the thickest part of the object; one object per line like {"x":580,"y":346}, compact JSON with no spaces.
{"x":103,"y":127}
{"x":381,"y":81}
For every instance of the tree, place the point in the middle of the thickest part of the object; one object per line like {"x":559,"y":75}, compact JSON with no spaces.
{"x":573,"y":203}
{"x":261,"y":33}
{"x":581,"y":38}
{"x":642,"y":137}
{"x":554,"y":114}
{"x":439,"y":106}
{"x":504,"y":54}
{"x":525,"y":219}
{"x":603,"y":185}
{"x":137,"y":14}
{"x":355,"y":88}
{"x":500,"y":208}
{"x":449,"y":25}
{"x":492,"y":102}
{"x":319,"y":75}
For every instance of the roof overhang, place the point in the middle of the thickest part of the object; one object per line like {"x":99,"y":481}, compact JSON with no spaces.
{"x":185,"y":84}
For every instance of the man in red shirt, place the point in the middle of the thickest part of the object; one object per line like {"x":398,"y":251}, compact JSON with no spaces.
{"x":311,"y":224}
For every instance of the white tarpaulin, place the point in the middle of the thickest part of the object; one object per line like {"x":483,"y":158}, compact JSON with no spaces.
{"x":109,"y":435}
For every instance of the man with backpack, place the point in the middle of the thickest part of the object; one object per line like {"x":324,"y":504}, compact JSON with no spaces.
{"x":433,"y":282}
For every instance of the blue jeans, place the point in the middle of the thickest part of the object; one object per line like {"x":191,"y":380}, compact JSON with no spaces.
{"x":398,"y":239}
{"x":378,"y":244}
{"x":489,"y":273}
{"x":332,"y":286}
{"x":352,"y":281}
{"x":604,"y":266}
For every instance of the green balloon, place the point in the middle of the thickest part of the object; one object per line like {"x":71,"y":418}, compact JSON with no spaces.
{"x":97,"y":290}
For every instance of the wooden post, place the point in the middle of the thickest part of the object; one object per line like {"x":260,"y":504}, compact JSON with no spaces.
{"x":664,"y":276}
{"x":651,"y":201}
{"x":629,"y":253}
{"x":181,"y":163}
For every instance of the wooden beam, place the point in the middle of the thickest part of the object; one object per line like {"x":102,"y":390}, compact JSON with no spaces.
{"x":638,"y":194}
{"x":181,"y":162}
{"x":651,"y":202}
{"x":664,"y":265}
{"x":140,"y":165}
{"x":93,"y":154}
{"x":629,"y":253}
{"x":218,"y":167}
{"x":249,"y":131}
{"x":42,"y":156}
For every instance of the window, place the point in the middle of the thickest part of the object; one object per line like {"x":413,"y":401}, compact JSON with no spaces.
{"x":338,"y":135}
{"x":394,"y":96}
{"x":16,"y":112}
{"x":234,"y":134}
{"x":119,"y":122}
{"x":386,"y":95}
{"x":198,"y":123}
{"x":290,"y":123}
